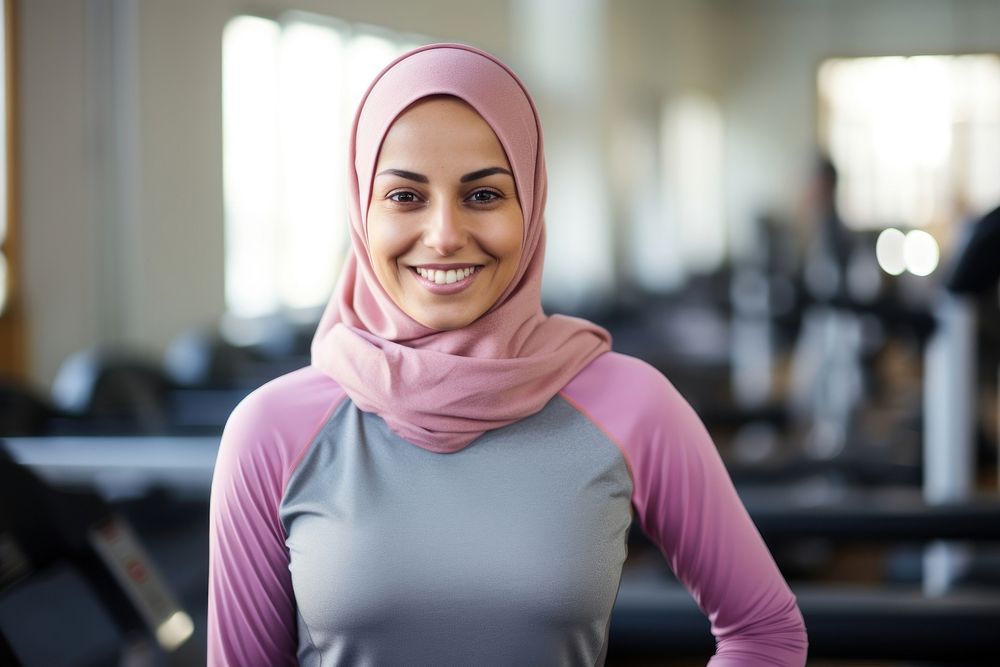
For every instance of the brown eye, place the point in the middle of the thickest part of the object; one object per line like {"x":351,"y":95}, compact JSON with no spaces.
{"x":484,"y":196}
{"x":403,"y":197}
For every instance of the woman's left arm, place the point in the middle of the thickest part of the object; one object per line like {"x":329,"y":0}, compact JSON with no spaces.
{"x":686,"y":504}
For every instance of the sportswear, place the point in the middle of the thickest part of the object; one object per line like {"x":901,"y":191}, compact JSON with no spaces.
{"x":336,"y":542}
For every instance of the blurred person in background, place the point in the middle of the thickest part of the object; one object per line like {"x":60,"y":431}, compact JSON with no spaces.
{"x":827,"y":374}
{"x":453,"y":479}
{"x":829,"y":242}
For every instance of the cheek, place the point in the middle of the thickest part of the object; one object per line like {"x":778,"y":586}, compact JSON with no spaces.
{"x":505,"y":239}
{"x":386,"y":241}
{"x":385,"y":244}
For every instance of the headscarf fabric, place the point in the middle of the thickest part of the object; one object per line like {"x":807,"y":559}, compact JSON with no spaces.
{"x":441,"y":390}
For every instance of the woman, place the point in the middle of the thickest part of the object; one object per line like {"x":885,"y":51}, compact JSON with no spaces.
{"x":453,"y":479}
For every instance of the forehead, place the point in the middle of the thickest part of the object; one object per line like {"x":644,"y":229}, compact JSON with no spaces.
{"x":441,"y":127}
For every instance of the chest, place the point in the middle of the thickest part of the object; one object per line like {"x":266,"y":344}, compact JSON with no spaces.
{"x":528,"y":523}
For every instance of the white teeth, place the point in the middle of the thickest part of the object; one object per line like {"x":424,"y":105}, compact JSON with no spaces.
{"x":445,"y":277}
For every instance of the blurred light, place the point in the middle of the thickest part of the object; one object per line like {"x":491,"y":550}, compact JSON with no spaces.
{"x":692,"y":157}
{"x":889,"y":251}
{"x":312,"y":126}
{"x":250,"y":163}
{"x":175,"y":631}
{"x":920,"y":253}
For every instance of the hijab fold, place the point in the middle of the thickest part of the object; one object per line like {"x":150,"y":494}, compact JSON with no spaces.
{"x":443,"y":389}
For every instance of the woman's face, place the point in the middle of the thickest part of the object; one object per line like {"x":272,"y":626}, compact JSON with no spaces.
{"x":444,"y":222}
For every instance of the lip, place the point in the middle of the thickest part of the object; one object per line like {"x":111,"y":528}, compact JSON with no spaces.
{"x":447,"y":288}
{"x":444,"y":267}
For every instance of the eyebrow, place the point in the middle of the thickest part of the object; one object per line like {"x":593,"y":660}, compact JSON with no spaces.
{"x":483,"y":173}
{"x":402,"y":173}
{"x":420,"y":178}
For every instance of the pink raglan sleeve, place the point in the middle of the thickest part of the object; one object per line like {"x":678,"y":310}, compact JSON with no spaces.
{"x":686,"y":503}
{"x":251,"y":612}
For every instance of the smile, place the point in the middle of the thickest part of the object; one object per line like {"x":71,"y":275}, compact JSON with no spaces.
{"x":445,"y":277}
{"x":446,"y":281}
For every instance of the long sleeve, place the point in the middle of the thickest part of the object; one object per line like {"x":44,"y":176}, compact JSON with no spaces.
{"x":252,"y":617}
{"x":686,"y":503}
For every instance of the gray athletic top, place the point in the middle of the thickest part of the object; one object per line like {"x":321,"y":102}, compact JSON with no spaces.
{"x":336,"y":542}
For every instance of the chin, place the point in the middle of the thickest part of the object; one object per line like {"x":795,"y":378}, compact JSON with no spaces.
{"x":445,"y":324}
{"x":445,"y":321}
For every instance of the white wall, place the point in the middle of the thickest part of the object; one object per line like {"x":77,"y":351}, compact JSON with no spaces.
{"x":61,"y":256}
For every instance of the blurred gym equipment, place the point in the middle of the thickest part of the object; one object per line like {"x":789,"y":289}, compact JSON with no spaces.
{"x":73,"y":569}
{"x":950,"y":383}
{"x":110,"y":391}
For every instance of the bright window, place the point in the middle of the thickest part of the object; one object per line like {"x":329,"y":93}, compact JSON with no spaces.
{"x":290,"y":88}
{"x":691,"y":142}
{"x":916,"y":140}
{"x":675,"y":164}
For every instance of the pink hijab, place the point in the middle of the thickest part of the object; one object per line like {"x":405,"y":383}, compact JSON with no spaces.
{"x":443,"y":389}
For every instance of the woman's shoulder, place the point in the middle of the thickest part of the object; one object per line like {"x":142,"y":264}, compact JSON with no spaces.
{"x":273,"y":424}
{"x":289,"y":399}
{"x":630,"y":400}
{"x":621,"y":382}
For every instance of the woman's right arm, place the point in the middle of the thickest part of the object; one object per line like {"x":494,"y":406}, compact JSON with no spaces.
{"x":251,"y":609}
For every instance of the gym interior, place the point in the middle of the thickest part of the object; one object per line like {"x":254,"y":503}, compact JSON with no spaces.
{"x":790,"y":208}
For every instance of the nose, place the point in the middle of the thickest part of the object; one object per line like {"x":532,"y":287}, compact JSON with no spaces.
{"x":445,"y":233}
